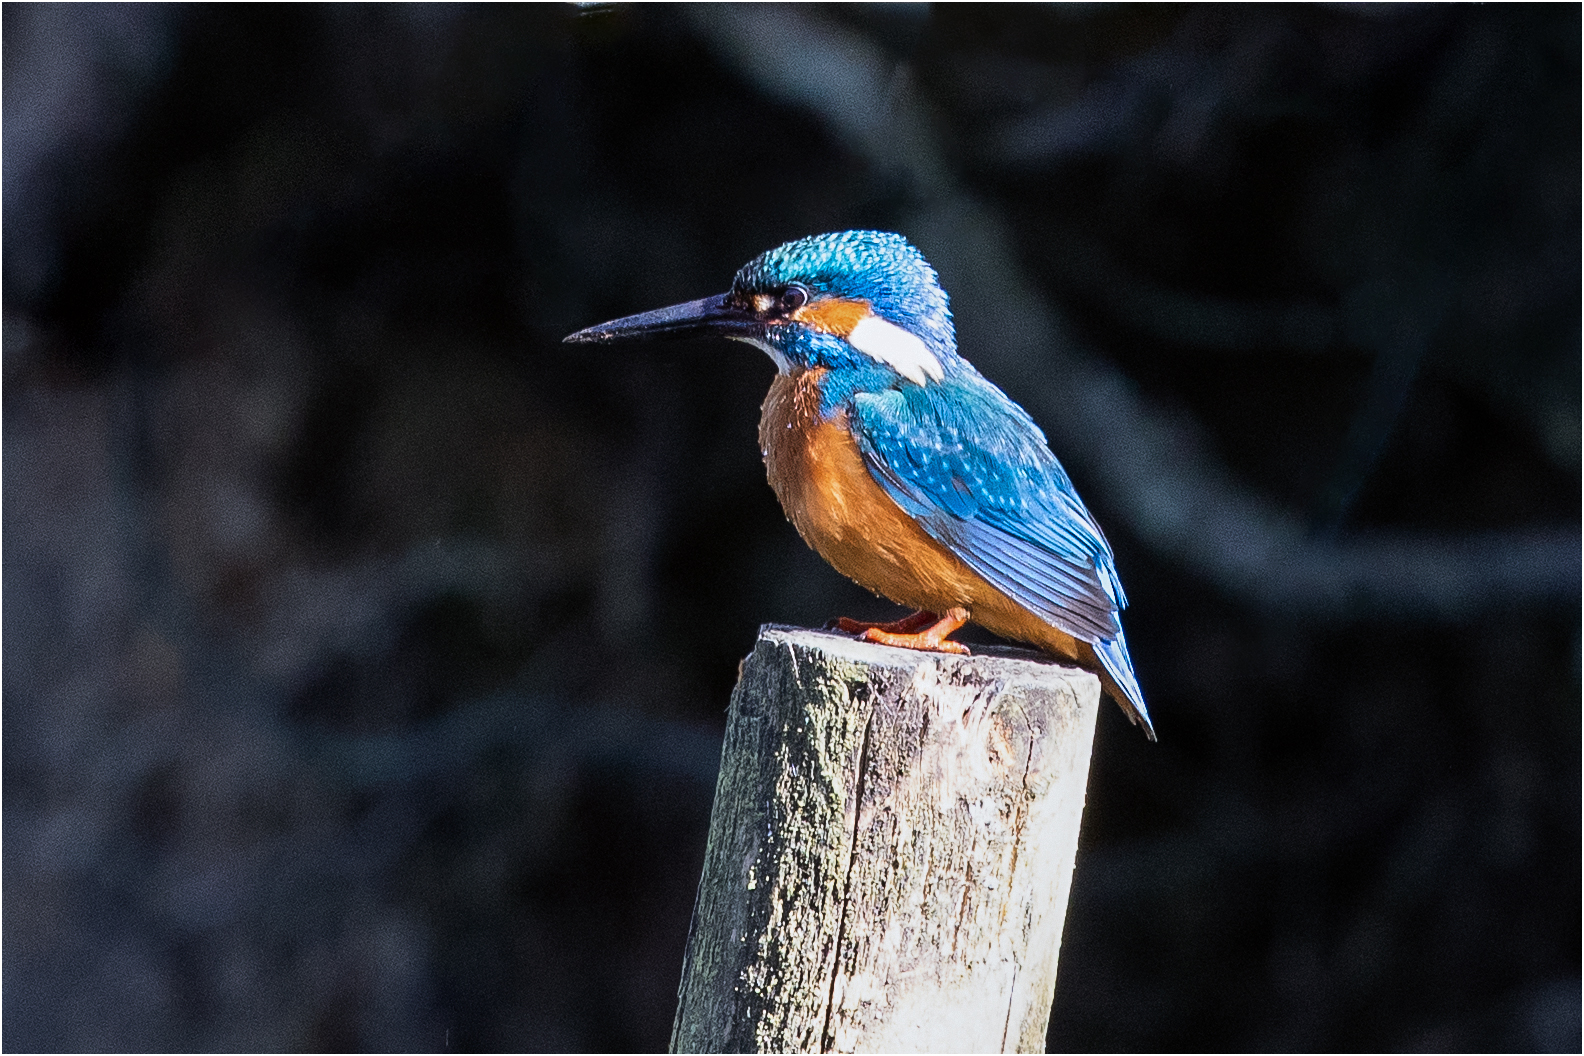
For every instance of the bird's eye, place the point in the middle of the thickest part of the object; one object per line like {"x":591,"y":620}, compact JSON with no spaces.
{"x":793,"y":298}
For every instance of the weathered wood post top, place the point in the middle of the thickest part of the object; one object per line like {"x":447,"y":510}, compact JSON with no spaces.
{"x":890,"y":851}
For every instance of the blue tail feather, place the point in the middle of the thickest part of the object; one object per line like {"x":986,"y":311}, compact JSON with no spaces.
{"x":1113,"y":655}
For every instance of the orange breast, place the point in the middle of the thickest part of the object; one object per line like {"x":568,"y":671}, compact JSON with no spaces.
{"x":819,"y":475}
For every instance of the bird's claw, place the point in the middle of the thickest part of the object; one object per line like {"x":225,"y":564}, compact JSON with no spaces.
{"x":906,"y":625}
{"x":932,"y":640}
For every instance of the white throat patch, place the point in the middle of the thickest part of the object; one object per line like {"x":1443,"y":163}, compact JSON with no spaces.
{"x":889,"y":343}
{"x":781,"y":362}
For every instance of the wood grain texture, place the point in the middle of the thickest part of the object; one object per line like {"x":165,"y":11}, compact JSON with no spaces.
{"x":890,"y":851}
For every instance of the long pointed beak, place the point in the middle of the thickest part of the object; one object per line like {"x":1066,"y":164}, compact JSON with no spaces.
{"x":703,"y":317}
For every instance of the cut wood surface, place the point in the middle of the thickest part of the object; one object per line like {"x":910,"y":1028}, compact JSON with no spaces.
{"x":890,"y":851}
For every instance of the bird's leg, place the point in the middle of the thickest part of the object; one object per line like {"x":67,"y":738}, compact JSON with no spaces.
{"x":906,"y":625}
{"x":932,"y":639}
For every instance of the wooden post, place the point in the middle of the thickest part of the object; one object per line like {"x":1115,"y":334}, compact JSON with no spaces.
{"x":890,"y":851}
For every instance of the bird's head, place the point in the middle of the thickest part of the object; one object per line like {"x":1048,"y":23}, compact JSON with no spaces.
{"x":858,"y":301}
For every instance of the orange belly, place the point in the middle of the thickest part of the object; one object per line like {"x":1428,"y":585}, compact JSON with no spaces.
{"x":819,"y":475}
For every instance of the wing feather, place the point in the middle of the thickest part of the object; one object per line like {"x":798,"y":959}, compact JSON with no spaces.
{"x":974,"y":470}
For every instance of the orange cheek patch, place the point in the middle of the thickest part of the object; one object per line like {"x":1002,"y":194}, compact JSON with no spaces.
{"x":833,"y":315}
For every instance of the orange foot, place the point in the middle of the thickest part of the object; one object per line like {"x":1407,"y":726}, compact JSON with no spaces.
{"x":931,"y":640}
{"x":906,"y":625}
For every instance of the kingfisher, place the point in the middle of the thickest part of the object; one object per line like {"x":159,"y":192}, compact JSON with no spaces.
{"x":901,"y":465}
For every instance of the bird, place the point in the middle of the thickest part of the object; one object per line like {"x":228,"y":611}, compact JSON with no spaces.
{"x":904,"y":467}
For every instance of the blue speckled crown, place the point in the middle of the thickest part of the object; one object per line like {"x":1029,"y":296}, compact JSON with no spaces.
{"x":880,"y":267}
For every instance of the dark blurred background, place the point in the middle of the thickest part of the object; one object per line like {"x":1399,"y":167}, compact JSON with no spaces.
{"x":366,"y":649}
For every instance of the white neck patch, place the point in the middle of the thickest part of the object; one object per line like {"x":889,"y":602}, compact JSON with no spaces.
{"x":903,"y":351}
{"x":783,"y":365}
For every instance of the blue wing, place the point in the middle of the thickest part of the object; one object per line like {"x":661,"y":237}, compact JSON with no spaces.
{"x":976,"y":473}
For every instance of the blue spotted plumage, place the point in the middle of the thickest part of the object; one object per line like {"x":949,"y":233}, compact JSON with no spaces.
{"x":901,"y":464}
{"x":974,"y":471}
